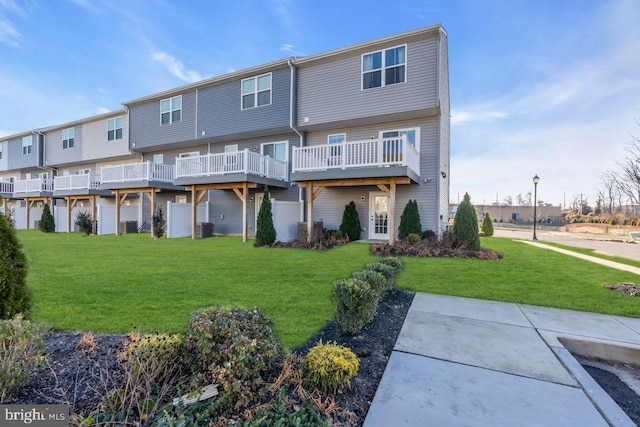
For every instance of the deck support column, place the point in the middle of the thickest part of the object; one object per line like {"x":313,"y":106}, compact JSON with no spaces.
{"x":194,"y":207}
{"x":29,"y":203}
{"x":311,"y":196}
{"x":94,"y":214}
{"x":392,"y":211}
{"x":118,"y":204}
{"x":68,"y":200}
{"x":152,"y":197}
{"x":243,"y":193}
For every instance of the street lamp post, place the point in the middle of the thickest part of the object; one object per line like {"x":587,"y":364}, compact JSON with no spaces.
{"x":536,"y":179}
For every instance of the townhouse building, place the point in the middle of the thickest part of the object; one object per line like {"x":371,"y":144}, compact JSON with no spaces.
{"x":367,"y":123}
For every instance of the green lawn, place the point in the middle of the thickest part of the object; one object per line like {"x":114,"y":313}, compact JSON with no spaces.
{"x":115,"y":284}
{"x":526,"y":275}
{"x":592,"y":253}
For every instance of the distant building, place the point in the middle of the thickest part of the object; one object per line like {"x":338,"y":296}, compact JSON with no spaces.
{"x":517,"y":214}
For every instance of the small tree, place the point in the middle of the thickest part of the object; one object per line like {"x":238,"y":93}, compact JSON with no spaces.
{"x":158,"y":222}
{"x":350,"y":225}
{"x":410,"y":220}
{"x":465,"y":226}
{"x":15,"y":296}
{"x":47,"y":223}
{"x":487,"y":225}
{"x":265,"y":231}
{"x":84,"y":221}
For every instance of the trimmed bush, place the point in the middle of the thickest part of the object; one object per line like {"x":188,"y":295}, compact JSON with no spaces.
{"x":84,"y":221}
{"x":22,"y":349}
{"x":465,"y":226}
{"x":387,"y":271}
{"x":350,"y":224}
{"x":15,"y":296}
{"x":47,"y":223}
{"x":376,"y":280}
{"x":356,"y":303}
{"x":330,"y":366}
{"x":410,"y":221}
{"x":156,"y":357}
{"x":158,"y":223}
{"x":235,"y":349}
{"x":265,"y":231}
{"x":487,"y":226}
{"x":394,"y":262}
{"x":430,"y":236}
{"x":412,"y":238}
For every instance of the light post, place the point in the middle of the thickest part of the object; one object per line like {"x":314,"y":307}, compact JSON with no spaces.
{"x":536,"y":179}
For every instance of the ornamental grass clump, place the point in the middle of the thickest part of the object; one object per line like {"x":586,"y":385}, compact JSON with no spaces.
{"x":356,"y":303}
{"x":22,"y":349}
{"x":330,"y":366}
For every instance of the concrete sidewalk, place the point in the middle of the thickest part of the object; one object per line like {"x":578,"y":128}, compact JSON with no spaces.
{"x":468,"y":362}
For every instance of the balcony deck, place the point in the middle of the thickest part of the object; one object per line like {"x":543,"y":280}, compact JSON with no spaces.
{"x":138,"y":175}
{"x":29,"y":188}
{"x":375,"y":158}
{"x":6,"y":189}
{"x":78,"y":185}
{"x":232,"y":167}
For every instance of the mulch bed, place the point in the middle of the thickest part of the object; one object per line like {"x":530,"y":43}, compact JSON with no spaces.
{"x":625,"y":288}
{"x":425,"y":248}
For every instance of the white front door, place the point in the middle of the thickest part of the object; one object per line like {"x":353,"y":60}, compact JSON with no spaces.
{"x":378,"y":216}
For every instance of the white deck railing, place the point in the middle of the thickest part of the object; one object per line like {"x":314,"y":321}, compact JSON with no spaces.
{"x":245,"y":161}
{"x":77,"y":182}
{"x":145,"y":171}
{"x":36,"y":185}
{"x":6,"y":187}
{"x":370,"y":153}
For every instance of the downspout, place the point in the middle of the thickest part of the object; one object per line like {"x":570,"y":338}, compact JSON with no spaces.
{"x":131,"y":151}
{"x":44,"y":152}
{"x":292,"y":105}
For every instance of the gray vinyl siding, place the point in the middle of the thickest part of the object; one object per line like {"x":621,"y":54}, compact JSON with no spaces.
{"x":56,"y":155}
{"x":255,"y":144}
{"x":330,"y":204}
{"x":146,"y":132}
{"x":4,"y":164}
{"x":220,"y":111}
{"x":444,"y":119}
{"x":332,"y":91}
{"x":169,"y":156}
{"x":16,"y":160}
{"x":95,"y":145}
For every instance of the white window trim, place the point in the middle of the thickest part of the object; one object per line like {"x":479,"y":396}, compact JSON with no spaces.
{"x":188,"y":155}
{"x":28,"y":145}
{"x":256,"y":91}
{"x":84,"y":171}
{"x":416,"y":129}
{"x":286,"y":148}
{"x":115,"y":128}
{"x":153,"y":159}
{"x":344,"y":137}
{"x":384,"y":67}
{"x":171,"y":110}
{"x":68,"y":138}
{"x":234,"y":146}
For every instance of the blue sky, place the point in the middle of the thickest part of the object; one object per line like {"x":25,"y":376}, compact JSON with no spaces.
{"x":537,"y":87}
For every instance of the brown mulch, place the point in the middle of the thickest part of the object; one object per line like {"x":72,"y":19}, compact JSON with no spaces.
{"x":625,"y":288}
{"x":425,"y":249}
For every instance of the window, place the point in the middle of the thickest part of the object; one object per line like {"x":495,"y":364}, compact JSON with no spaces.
{"x":67,"y":137}
{"x":338,"y":138}
{"x":384,"y":68}
{"x":65,"y":172}
{"x":256,"y":91}
{"x":27,"y":143}
{"x":171,"y":110}
{"x":231,"y":159}
{"x":275,"y":150}
{"x":114,"y":128}
{"x":391,"y":151}
{"x":84,"y":172}
{"x":27,"y":175}
{"x":189,"y":154}
{"x":158,"y":159}
{"x":181,"y":198}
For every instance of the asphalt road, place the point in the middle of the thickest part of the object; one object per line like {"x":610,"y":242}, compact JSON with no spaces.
{"x":598,"y":244}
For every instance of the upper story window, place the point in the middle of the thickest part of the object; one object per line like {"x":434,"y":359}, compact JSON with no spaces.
{"x":114,"y":128}
{"x":27,"y":144}
{"x":384,"y":68}
{"x":171,"y":110}
{"x":256,"y":91}
{"x":68,"y":136}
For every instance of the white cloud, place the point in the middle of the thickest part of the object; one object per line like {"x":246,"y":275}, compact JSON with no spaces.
{"x":458,"y":117}
{"x":176,"y":67}
{"x":9,"y":34}
{"x":289,"y":48}
{"x":283,"y":9}
{"x":103,"y":110}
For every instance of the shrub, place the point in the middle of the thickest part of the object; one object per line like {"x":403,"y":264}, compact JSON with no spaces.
{"x":47,"y":223}
{"x":158,"y":222}
{"x":265,"y":231}
{"x":430,"y":236}
{"x":156,"y":357}
{"x":465,"y":226}
{"x":15,"y":296}
{"x":329,"y":366}
{"x":387,"y":271}
{"x":487,"y":226}
{"x":394,"y":262}
{"x":410,"y":221}
{"x":412,"y":238}
{"x":235,"y":349}
{"x":350,"y":224}
{"x":356,"y":303}
{"x":84,"y":221}
{"x":282,"y":414}
{"x":22,"y":349}
{"x":376,"y":281}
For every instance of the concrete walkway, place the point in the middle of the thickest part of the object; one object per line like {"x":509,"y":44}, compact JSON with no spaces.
{"x":468,"y":362}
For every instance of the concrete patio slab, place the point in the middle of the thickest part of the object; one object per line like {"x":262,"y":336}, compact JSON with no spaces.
{"x":417,"y":391}
{"x":491,"y":311}
{"x":579,"y":323}
{"x":512,"y":349}
{"x":630,"y":322}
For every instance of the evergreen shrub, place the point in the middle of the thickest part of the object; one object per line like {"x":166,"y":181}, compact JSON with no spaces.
{"x":265,"y":231}
{"x":356,"y":303}
{"x":15,"y":296}
{"x":465,"y":226}
{"x":410,"y":220}
{"x":350,"y":224}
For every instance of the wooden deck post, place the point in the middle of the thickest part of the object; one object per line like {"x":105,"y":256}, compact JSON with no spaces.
{"x":392,"y":211}
{"x":68,"y":199}
{"x":28,"y":204}
{"x":309,"y":210}
{"x":117,"y":212}
{"x":152,"y":196}
{"x":194,"y":207}
{"x":245,"y":193}
{"x":94,"y":214}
